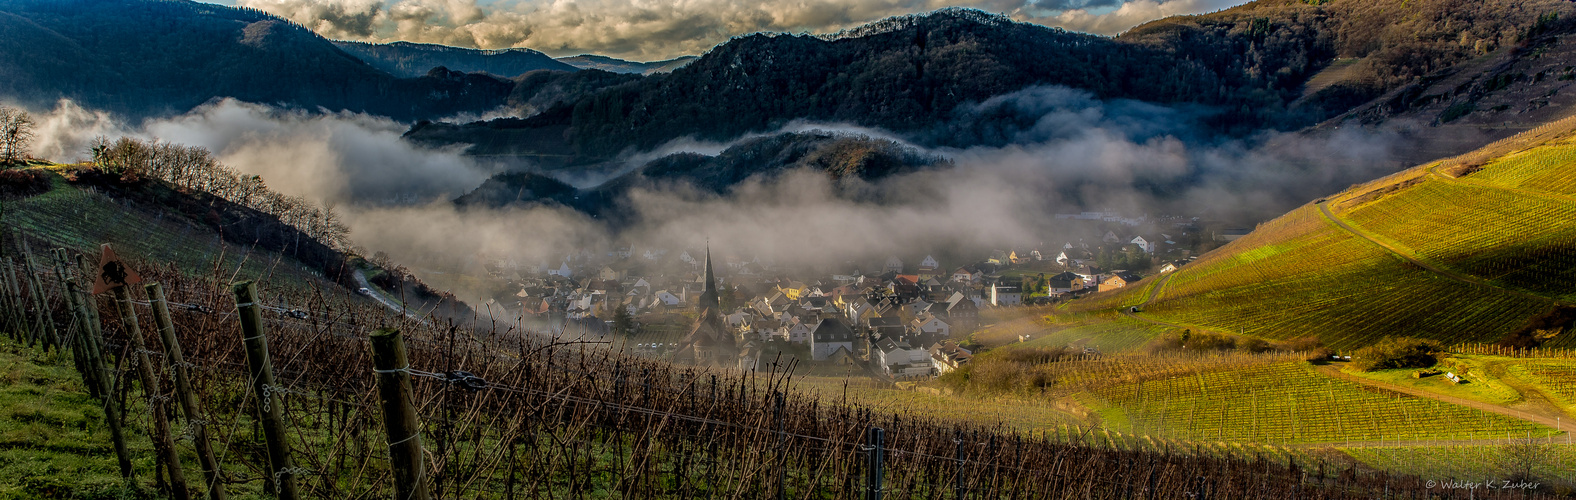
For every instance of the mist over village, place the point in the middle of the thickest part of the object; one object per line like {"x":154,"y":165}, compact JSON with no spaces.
{"x":837,"y":249}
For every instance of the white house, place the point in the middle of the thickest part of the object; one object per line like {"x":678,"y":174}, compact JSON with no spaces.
{"x":899,"y":359}
{"x":829,"y":337}
{"x":668,"y":298}
{"x":929,"y":323}
{"x":1146,"y":245}
{"x":929,"y":264}
{"x":1006,"y":295}
{"x":947,"y":356}
{"x":798,"y":332}
{"x":563,"y":270}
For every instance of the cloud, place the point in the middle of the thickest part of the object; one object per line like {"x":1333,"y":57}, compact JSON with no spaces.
{"x":1050,"y":149}
{"x":661,"y":29}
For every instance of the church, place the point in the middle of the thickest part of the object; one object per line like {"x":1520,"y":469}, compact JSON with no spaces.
{"x":709,"y":341}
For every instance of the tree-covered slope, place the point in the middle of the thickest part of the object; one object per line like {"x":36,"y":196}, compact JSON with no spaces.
{"x":144,"y":58}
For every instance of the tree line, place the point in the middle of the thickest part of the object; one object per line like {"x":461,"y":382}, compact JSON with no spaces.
{"x":191,"y":168}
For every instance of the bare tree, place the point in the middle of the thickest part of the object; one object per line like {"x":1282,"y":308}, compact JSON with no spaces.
{"x":16,"y":131}
{"x":1522,"y":458}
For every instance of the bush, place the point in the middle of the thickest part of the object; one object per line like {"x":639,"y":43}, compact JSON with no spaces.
{"x":27,"y":182}
{"x":1311,"y":345}
{"x":1401,"y":352}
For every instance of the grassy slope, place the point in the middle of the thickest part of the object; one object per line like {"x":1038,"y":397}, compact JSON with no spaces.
{"x":53,"y":440}
{"x":1511,"y":225}
{"x":82,"y":219}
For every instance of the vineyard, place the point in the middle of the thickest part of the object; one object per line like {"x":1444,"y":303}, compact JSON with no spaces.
{"x":1549,"y":461}
{"x":1544,"y":168}
{"x":1510,"y":239}
{"x":1290,"y":403}
{"x":279,"y":391}
{"x":1557,"y":379}
{"x":1300,"y":275}
{"x":1109,"y":333}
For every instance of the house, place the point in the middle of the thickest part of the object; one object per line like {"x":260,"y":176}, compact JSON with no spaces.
{"x":929,"y":265}
{"x":1171,"y":266}
{"x":563,"y":270}
{"x":1119,"y":279}
{"x":1003,"y":295}
{"x":947,"y":356}
{"x":608,"y":274}
{"x":668,"y":298}
{"x":967,"y":275}
{"x":797,"y":332}
{"x":894,"y":265}
{"x":884,"y":327}
{"x":829,"y":336}
{"x":1233,"y":234}
{"x":1110,"y":237}
{"x":899,"y":359}
{"x":1143,"y":244}
{"x":931,"y":325}
{"x":1066,"y":282}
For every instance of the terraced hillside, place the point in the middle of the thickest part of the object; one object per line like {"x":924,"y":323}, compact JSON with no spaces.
{"x":1464,"y":250}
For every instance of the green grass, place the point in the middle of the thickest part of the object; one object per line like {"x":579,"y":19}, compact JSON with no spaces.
{"x":53,"y":439}
{"x":1290,"y":402}
{"x":1480,"y":385}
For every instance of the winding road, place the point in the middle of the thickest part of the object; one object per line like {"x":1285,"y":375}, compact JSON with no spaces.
{"x":376,"y":294}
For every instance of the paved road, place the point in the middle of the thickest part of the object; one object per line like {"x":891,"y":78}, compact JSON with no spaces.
{"x":361,"y":281}
{"x":1464,"y":278}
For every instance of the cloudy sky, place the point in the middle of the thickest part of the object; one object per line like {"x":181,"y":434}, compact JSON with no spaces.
{"x":661,"y":29}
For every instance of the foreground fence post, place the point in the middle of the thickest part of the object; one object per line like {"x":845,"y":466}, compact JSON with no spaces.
{"x":95,"y":353}
{"x":282,"y":476}
{"x":183,"y":390}
{"x":877,"y":447}
{"x":163,"y":444}
{"x":400,"y":421}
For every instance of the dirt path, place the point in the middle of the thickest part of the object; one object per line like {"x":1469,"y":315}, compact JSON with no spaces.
{"x":1336,"y":372}
{"x":1155,"y":291}
{"x":376,"y":294}
{"x":1464,"y":278}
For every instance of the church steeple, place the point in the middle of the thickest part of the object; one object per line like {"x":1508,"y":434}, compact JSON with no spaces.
{"x":708,"y":298}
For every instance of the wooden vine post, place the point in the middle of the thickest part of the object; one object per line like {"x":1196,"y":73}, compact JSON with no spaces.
{"x":282,"y":475}
{"x":392,"y":367}
{"x":162,"y":442}
{"x":183,"y":390}
{"x":93,"y":347}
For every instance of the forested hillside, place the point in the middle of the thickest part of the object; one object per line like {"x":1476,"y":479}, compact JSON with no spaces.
{"x":147,"y":58}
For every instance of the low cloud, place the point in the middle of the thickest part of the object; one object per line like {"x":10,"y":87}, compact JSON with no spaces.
{"x":647,"y":30}
{"x":1049,"y":150}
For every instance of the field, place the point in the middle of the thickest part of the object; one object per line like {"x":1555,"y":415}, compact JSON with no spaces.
{"x":1110,"y":333}
{"x":1291,"y":403}
{"x":1545,"y":168}
{"x":1548,"y":461}
{"x":1301,"y":275}
{"x":1515,"y":240}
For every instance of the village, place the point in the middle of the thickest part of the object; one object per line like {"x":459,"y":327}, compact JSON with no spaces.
{"x":906,"y":317}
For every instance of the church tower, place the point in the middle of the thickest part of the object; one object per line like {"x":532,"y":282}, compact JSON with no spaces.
{"x":708,"y":298}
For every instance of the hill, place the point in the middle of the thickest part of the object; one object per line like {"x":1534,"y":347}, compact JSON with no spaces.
{"x":1253,"y":67}
{"x":604,"y":63}
{"x":410,"y":60}
{"x":144,"y":58}
{"x":839,"y":156}
{"x":1477,"y":248}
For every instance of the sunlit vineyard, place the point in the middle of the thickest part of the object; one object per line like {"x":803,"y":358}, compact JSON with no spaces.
{"x":1291,"y":403}
{"x":1508,"y":238}
{"x":1301,"y":275}
{"x":1109,"y":333}
{"x":1549,"y":460}
{"x":1546,"y":168}
{"x":1556,"y":378}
